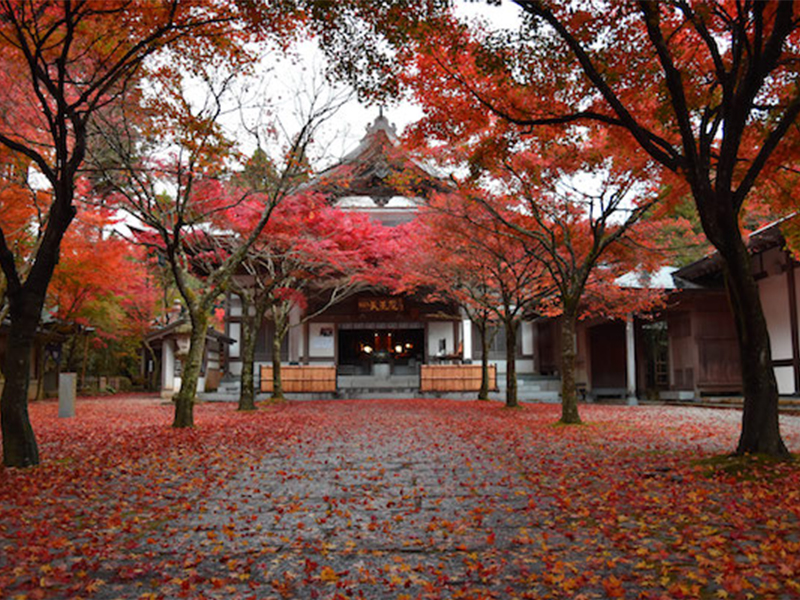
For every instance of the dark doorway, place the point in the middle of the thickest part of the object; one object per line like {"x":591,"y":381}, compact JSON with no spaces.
{"x":607,"y":348}
{"x":361,"y":349}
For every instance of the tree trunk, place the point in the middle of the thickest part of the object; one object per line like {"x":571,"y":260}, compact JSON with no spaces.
{"x":25,"y":309}
{"x":760,"y":426}
{"x":185,"y":399}
{"x":19,"y":443}
{"x":247,"y":395}
{"x":569,"y":396}
{"x":483,"y":393}
{"x":511,"y":364}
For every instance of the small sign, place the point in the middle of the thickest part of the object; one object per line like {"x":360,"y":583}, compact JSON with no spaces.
{"x":67,"y":388}
{"x":380,"y":305}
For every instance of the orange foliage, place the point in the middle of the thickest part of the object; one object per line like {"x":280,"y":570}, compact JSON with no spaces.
{"x":396,"y":499}
{"x":101,"y":279}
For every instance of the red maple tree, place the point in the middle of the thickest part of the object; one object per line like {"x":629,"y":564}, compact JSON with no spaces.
{"x":102,"y":284}
{"x":468,"y":256}
{"x":705,"y":91}
{"x":309,"y":257}
{"x":62,"y":63}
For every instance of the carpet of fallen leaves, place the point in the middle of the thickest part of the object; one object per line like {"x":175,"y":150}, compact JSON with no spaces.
{"x":395,"y":499}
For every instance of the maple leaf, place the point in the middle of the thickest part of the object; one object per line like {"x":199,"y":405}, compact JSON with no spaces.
{"x":328,"y":575}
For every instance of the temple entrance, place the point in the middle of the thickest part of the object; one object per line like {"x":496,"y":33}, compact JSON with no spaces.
{"x":607,"y":356}
{"x":381,"y":352}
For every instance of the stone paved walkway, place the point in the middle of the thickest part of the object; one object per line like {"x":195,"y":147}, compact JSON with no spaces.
{"x":414,"y":500}
{"x":380,"y":507}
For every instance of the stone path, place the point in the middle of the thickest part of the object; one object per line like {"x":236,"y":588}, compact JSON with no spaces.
{"x":370,"y":508}
{"x":427,"y":499}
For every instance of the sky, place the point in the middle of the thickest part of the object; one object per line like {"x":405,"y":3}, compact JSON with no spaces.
{"x":280,"y":90}
{"x":287,"y":82}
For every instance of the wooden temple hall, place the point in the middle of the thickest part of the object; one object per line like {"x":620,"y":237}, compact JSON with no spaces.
{"x":373,"y":340}
{"x":377,"y":344}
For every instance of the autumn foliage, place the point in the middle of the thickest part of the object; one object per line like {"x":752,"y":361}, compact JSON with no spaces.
{"x":102,"y":279}
{"x":402,"y":499}
{"x":64,"y":63}
{"x":701,"y":94}
{"x":309,"y":257}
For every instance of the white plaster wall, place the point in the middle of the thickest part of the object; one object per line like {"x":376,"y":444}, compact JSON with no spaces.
{"x":466,"y":339}
{"x":320,"y":346}
{"x":168,"y":367}
{"x":526,"y":327}
{"x":201,"y":384}
{"x":235,"y":306}
{"x":235,"y":332}
{"x":295,"y":335}
{"x":775,"y":301}
{"x":797,"y":289}
{"x":440,"y":331}
{"x":785,"y":378}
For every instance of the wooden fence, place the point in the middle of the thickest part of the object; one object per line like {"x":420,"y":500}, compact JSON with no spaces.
{"x":301,"y":378}
{"x":455,"y":378}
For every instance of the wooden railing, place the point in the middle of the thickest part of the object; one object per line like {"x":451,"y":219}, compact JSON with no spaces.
{"x":455,"y":378}
{"x":301,"y":378}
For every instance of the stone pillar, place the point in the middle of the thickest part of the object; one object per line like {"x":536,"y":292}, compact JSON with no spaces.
{"x":67,"y":386}
{"x":168,"y":369}
{"x":630,"y":359}
{"x":466,"y":339}
{"x":296,"y":337}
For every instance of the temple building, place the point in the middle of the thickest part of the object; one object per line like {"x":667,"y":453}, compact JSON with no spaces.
{"x":376,"y":343}
{"x":373,"y":340}
{"x":379,"y":344}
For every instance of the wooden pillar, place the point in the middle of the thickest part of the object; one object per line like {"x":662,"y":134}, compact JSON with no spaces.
{"x":790,"y":284}
{"x":630,"y":360}
{"x":466,"y":338}
{"x":306,"y":344}
{"x":295,"y":336}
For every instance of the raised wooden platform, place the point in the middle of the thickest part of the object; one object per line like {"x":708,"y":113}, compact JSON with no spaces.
{"x":455,"y":378}
{"x":301,"y":379}
{"x":786,"y":404}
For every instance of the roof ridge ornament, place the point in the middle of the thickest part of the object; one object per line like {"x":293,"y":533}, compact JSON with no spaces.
{"x":381,"y":123}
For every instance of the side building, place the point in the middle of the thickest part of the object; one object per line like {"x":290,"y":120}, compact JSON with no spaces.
{"x":703,"y":337}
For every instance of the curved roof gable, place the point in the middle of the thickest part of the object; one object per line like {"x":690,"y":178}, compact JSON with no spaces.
{"x":378,"y":169}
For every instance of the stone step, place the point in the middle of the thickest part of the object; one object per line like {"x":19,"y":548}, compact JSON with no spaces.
{"x":785,"y":405}
{"x":349,"y":382}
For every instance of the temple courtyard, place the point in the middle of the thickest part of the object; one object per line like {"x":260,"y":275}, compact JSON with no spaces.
{"x":398,"y":499}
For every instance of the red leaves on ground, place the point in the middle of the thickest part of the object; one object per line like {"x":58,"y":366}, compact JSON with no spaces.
{"x":400,"y":499}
